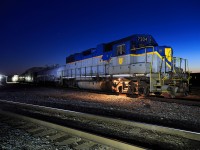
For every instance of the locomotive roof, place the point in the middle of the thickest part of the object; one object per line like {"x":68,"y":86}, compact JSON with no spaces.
{"x":136,"y":39}
{"x":133,"y":37}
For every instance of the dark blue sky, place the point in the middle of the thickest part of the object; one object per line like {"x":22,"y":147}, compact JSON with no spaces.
{"x":44,"y":32}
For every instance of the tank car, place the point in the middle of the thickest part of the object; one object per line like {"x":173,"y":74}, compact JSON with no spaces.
{"x":43,"y":75}
{"x":30,"y":75}
{"x":132,"y":65}
{"x":50,"y":75}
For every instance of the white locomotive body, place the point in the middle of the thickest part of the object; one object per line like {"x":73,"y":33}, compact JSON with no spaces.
{"x":132,"y":65}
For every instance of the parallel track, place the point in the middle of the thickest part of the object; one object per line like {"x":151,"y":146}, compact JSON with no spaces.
{"x":155,"y":129}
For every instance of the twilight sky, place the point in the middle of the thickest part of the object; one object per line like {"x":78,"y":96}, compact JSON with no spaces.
{"x":44,"y":32}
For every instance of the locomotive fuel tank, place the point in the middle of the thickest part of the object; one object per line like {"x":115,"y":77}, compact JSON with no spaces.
{"x":95,"y":85}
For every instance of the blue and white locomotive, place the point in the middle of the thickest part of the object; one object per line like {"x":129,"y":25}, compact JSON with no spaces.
{"x":132,"y":65}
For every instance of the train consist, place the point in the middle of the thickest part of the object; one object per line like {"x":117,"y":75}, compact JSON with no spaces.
{"x":131,"y":65}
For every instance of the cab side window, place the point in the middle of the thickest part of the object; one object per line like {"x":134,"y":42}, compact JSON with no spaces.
{"x":121,"y":49}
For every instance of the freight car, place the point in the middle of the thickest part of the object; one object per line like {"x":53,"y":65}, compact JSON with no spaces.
{"x":132,"y":65}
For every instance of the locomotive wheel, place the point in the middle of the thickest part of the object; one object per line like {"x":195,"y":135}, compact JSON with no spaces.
{"x":143,"y":91}
{"x":157,"y":94}
{"x":132,"y":89}
{"x":120,"y":89}
{"x":146,"y":91}
{"x":186,"y":94}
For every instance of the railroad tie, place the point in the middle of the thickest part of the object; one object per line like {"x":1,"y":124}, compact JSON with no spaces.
{"x":16,"y":123}
{"x":56,"y":136}
{"x":45,"y":133}
{"x":36,"y":130}
{"x":69,"y":141}
{"x":1,"y":116}
{"x":4,"y":119}
{"x":10,"y":121}
{"x":26,"y":126}
{"x":85,"y":145}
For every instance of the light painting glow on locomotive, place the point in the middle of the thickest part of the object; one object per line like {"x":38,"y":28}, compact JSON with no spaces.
{"x":142,"y":66}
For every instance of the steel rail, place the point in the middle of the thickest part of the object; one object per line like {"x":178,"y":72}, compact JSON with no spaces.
{"x":166,"y":130}
{"x":92,"y":137}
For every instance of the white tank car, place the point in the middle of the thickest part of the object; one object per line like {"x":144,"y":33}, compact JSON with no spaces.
{"x":50,"y":74}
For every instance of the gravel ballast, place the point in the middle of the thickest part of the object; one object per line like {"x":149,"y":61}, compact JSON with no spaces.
{"x":16,"y":139}
{"x":137,"y":109}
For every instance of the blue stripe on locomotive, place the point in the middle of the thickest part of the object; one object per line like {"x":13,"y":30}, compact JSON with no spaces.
{"x":108,"y":50}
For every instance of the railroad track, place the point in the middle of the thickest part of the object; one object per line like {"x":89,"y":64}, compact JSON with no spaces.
{"x":60,"y":135}
{"x":148,"y":135}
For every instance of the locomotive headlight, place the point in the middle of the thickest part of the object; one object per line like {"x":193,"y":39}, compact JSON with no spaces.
{"x":1,"y":77}
{"x":15,"y":78}
{"x":28,"y":78}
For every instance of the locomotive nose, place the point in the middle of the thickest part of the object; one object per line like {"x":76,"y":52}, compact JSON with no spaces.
{"x":168,"y":54}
